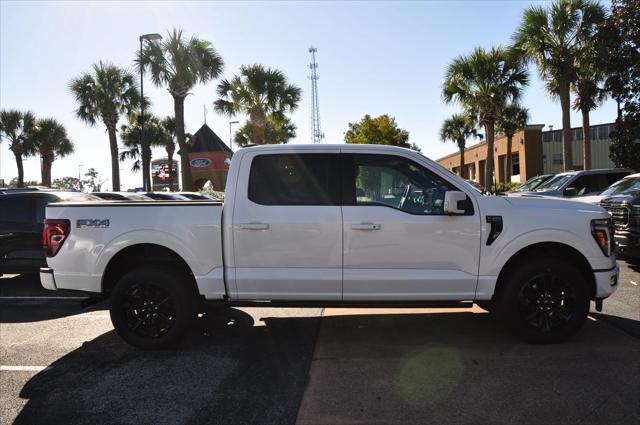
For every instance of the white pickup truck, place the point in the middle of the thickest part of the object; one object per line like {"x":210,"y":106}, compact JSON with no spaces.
{"x":335,"y":225}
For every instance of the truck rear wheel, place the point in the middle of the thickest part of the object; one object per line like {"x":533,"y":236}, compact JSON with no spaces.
{"x":151,"y":307}
{"x":544,"y":300}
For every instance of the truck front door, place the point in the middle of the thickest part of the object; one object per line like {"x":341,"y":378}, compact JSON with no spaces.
{"x":398,"y":243}
{"x":287,"y":227}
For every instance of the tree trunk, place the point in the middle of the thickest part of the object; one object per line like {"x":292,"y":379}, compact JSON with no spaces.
{"x":565,"y":101}
{"x":45,"y":168}
{"x":170,"y":161}
{"x":146,"y":166}
{"x":586,"y":139}
{"x":115,"y":163}
{"x":258,"y":123}
{"x":508,"y":166}
{"x":463,"y":168}
{"x":488,"y":168}
{"x":185,"y":166}
{"x":20,"y":169}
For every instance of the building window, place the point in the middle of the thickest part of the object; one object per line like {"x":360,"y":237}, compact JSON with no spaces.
{"x":557,"y":159}
{"x":515,"y":165}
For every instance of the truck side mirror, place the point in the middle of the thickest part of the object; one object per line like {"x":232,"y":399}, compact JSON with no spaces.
{"x":452,"y":201}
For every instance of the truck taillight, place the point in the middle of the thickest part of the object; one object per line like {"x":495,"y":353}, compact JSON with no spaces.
{"x":53,"y":236}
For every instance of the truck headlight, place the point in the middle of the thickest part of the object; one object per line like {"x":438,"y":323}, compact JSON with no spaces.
{"x":602,"y":231}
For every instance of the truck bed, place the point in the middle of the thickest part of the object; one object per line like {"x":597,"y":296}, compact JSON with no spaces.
{"x":99,"y":230}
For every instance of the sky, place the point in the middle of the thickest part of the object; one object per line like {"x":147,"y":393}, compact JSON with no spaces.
{"x":373,"y":58}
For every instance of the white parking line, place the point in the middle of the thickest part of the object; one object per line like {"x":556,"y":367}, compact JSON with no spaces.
{"x":4,"y":368}
{"x":43,"y":298}
{"x":633,"y":283}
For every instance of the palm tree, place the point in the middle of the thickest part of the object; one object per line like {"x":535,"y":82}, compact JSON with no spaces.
{"x":154,"y":133}
{"x":105,"y":93}
{"x":551,"y":37}
{"x":169,"y":125}
{"x":277,"y":131}
{"x":483,"y":83}
{"x":180,"y":63}
{"x":17,"y":127}
{"x":262,"y":93}
{"x":50,"y":140}
{"x":588,"y":86}
{"x":513,"y":118}
{"x":458,"y":128}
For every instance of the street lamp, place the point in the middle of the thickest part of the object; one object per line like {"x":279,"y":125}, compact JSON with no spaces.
{"x":79,"y":179}
{"x":146,"y":178}
{"x":230,"y":136}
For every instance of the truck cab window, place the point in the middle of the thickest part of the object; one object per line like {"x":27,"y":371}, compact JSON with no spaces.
{"x":295,"y":179}
{"x":398,"y":183}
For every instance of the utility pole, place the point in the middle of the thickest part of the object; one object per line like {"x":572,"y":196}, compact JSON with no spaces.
{"x":316,"y":132}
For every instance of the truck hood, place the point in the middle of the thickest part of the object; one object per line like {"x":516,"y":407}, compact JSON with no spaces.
{"x":552,"y":203}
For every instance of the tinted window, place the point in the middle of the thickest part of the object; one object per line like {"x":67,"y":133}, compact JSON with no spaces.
{"x":394,"y":182}
{"x":614,"y":177}
{"x":41,"y":203}
{"x":288,"y":179}
{"x":590,"y":184}
{"x":16,"y":209}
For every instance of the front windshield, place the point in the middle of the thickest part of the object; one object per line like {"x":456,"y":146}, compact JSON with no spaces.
{"x":532,"y":184}
{"x":623,"y":186}
{"x":554,"y":183}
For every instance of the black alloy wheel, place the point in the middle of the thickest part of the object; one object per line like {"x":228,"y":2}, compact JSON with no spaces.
{"x":546,"y":302}
{"x":543,"y":299}
{"x":149,"y":310}
{"x":152,"y":306}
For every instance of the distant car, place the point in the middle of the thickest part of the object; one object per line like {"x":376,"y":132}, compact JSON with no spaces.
{"x":121,"y":196}
{"x":198,"y":196}
{"x":164,"y":196}
{"x":578,"y":183}
{"x":533,"y":183}
{"x":21,"y":225}
{"x":629,"y":183}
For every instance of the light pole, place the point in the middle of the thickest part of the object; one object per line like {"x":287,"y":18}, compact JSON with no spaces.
{"x":146,"y":179}
{"x":230,"y":134}
{"x":79,"y":179}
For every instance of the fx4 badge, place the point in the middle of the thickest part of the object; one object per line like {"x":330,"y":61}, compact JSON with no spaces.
{"x":92,"y":222}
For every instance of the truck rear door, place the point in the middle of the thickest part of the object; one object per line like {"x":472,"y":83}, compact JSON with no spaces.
{"x":287,"y":227}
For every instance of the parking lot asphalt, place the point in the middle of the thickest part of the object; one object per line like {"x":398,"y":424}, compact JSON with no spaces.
{"x":62,"y":364}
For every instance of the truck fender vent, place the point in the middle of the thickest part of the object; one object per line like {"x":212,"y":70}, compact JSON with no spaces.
{"x":496,"y":228}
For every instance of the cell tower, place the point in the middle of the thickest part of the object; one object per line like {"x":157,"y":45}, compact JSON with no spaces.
{"x":316,"y":132}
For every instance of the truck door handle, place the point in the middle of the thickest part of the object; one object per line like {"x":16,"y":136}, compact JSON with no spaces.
{"x":254,"y":226}
{"x":366,"y":226}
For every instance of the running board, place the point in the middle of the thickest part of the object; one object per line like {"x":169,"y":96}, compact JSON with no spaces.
{"x":345,"y":304}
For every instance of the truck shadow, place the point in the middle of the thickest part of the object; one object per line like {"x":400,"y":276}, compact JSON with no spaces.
{"x":232,"y":370}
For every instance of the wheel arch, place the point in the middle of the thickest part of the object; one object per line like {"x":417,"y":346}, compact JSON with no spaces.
{"x":548,"y":249}
{"x":144,"y":254}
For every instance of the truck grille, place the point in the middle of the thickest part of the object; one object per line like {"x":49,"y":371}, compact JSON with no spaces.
{"x":619,"y":213}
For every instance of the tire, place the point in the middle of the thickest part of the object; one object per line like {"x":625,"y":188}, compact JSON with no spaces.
{"x":544,"y":300}
{"x":151,"y":307}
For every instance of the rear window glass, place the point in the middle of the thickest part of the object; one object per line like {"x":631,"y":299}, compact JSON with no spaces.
{"x":16,"y":209}
{"x":295,"y":179}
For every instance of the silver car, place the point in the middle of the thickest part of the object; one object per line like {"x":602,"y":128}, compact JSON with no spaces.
{"x":579,"y":183}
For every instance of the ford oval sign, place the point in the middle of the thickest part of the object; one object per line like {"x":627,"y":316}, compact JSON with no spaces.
{"x":200,"y":162}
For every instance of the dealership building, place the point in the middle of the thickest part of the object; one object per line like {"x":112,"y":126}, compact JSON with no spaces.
{"x":534,"y":152}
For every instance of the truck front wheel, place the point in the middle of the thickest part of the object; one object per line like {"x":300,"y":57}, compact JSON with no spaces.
{"x":544,"y":300}
{"x":151,"y":307}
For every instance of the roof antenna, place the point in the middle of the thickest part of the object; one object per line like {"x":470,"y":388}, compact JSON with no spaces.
{"x":205,"y":112}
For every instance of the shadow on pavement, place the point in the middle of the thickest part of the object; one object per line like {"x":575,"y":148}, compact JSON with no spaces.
{"x":386,"y":368}
{"x":226,"y":371}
